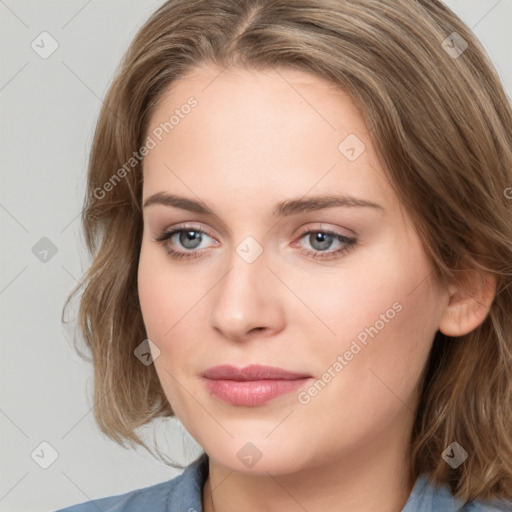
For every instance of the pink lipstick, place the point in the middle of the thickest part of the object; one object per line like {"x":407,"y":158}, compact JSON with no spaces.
{"x":252,"y":385}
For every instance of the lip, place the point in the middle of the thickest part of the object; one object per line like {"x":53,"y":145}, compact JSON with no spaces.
{"x":251,"y":385}
{"x":251,"y":372}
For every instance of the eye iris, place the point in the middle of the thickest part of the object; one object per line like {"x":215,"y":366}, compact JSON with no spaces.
{"x":323,"y":239}
{"x":187,"y":239}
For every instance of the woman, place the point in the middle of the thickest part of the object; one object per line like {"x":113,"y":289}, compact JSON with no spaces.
{"x":301,"y":221}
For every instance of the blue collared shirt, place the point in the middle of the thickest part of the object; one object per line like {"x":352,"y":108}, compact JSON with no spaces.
{"x":183,"y":494}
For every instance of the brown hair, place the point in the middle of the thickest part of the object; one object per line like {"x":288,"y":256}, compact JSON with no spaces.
{"x":442,"y":126}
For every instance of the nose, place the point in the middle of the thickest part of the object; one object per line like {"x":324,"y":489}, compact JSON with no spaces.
{"x":247,"y":300}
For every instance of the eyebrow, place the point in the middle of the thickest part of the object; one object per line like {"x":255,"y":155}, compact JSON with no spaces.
{"x":282,"y":209}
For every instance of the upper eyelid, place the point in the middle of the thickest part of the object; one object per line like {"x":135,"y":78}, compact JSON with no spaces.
{"x":323,"y":229}
{"x":168,"y":233}
{"x":179,"y":228}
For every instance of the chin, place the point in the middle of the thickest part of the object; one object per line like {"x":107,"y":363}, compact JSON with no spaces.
{"x":261,"y":457}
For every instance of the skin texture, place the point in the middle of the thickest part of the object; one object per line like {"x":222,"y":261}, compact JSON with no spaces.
{"x":257,"y":138}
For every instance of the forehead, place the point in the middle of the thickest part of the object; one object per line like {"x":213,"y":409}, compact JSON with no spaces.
{"x":261,"y":101}
{"x":273,"y":131}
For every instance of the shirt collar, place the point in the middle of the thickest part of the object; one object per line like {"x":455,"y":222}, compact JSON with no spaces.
{"x":188,"y":492}
{"x":426,"y":496}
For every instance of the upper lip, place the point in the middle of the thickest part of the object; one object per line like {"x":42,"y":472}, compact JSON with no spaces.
{"x":251,"y":372}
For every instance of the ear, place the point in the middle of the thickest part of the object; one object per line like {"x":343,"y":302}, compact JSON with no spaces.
{"x":469,"y":303}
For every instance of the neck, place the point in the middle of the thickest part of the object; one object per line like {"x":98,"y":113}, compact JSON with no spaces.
{"x":373,"y":477}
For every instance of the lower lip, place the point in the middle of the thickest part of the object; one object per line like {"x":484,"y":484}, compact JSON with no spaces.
{"x":251,"y":393}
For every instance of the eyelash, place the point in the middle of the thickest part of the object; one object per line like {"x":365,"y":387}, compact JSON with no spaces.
{"x":320,"y":255}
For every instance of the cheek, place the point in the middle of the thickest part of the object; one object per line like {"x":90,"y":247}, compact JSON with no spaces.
{"x":155,"y":301}
{"x":384,"y":312}
{"x":164,"y":300}
{"x":173,"y":302}
{"x":382,"y":291}
{"x":385,"y":338}
{"x":164,"y":296}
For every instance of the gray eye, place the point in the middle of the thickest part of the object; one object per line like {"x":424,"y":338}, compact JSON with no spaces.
{"x":189,"y":239}
{"x":320,"y":241}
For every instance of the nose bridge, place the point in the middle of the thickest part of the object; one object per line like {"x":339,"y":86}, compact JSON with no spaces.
{"x":247,"y":264}
{"x":246,"y":277}
{"x":243,"y":300}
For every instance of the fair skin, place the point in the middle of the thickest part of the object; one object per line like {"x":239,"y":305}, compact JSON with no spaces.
{"x":255,"y":139}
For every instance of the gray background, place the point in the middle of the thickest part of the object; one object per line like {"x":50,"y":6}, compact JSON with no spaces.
{"x":48,"y":113}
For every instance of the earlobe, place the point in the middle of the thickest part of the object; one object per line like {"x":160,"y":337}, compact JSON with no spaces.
{"x":469,"y":303}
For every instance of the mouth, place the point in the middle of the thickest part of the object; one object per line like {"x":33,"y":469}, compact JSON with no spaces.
{"x":252,"y":385}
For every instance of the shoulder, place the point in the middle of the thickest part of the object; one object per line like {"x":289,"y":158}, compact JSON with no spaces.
{"x":182,"y":492}
{"x":489,"y":506}
{"x":155,"y":496}
{"x":427,"y":496}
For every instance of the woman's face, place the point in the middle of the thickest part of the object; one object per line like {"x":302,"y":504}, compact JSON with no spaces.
{"x":294,"y":253}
